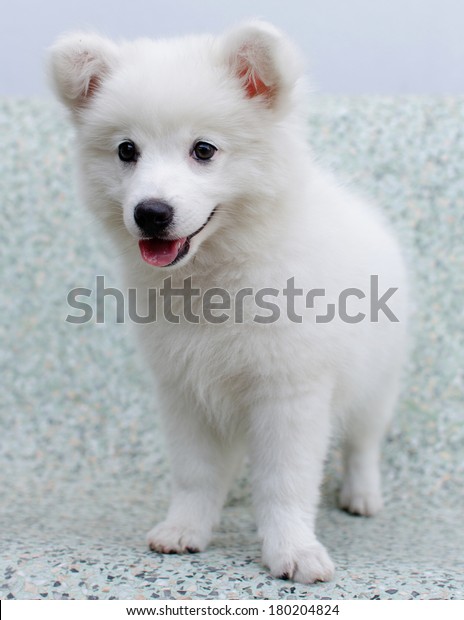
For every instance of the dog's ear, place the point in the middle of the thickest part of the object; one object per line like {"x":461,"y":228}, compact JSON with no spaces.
{"x":78,"y":63}
{"x":263,"y":60}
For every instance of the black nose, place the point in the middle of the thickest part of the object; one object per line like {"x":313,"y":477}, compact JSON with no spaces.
{"x":153,"y":217}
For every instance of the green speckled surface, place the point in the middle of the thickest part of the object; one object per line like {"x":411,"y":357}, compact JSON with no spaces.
{"x":82,"y":471}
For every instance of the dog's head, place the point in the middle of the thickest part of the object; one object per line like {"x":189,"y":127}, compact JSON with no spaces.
{"x":180,"y":137}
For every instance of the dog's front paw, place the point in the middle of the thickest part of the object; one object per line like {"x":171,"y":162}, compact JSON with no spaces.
{"x":307,"y":564}
{"x":171,"y":537}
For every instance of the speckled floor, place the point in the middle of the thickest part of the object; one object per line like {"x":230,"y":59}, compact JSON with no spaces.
{"x":81,"y":462}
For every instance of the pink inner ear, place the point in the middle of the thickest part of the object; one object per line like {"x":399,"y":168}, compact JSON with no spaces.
{"x":94,"y":84}
{"x":254,"y":86}
{"x":89,"y":92}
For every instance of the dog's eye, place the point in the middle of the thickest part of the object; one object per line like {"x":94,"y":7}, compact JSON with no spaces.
{"x":203,"y":151}
{"x":127,"y":151}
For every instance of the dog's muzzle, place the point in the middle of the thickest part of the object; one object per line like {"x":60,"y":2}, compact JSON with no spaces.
{"x":154,"y":217}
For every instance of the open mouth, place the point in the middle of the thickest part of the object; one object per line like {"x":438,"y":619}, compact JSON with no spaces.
{"x":166,"y":252}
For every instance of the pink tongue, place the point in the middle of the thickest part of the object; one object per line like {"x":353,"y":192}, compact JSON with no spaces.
{"x":160,"y":252}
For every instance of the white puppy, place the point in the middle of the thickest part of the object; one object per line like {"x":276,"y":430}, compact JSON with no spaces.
{"x":194,"y":153}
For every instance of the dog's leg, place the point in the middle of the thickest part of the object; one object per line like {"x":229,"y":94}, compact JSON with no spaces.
{"x":361,"y":489}
{"x":202,"y":467}
{"x":361,"y":492}
{"x":289,"y":440}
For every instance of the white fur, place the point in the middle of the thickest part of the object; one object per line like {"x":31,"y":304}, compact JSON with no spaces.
{"x":273,"y":391}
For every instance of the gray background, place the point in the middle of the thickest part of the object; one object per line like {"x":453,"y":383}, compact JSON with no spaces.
{"x":352,"y":46}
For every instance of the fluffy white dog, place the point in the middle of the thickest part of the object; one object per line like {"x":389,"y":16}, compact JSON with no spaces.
{"x":194,"y":153}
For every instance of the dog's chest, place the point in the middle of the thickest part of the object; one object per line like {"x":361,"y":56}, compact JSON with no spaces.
{"x":224,"y":365}
{"x":209,"y":365}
